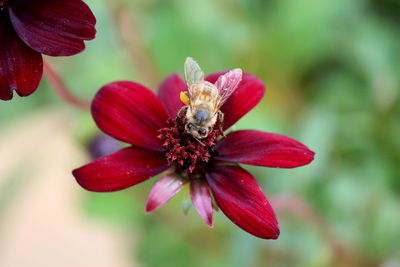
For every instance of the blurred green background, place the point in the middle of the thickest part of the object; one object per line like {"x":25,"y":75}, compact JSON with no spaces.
{"x":332,"y":72}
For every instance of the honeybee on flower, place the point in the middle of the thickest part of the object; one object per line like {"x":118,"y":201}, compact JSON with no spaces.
{"x":203,"y":99}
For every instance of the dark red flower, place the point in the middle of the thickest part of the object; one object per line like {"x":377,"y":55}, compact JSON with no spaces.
{"x":29,"y":28}
{"x":132,"y":113}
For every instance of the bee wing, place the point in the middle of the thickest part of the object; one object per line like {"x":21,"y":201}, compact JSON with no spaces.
{"x":193,"y":72}
{"x":227,"y":84}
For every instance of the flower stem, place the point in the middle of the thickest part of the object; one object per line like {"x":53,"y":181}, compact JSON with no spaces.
{"x":61,"y":89}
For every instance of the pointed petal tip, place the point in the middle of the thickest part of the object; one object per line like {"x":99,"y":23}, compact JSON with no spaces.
{"x":150,"y":207}
{"x":269,"y":236}
{"x":259,"y":148}
{"x":147,"y":209}
{"x":308,"y":157}
{"x":241,"y":199}
{"x":202,"y":201}
{"x":76,"y":175}
{"x":120,"y":170}
{"x":311,"y":156}
{"x":74,"y":171}
{"x":277,"y":233}
{"x":274,"y":235}
{"x":162,"y":191}
{"x":273,"y":232}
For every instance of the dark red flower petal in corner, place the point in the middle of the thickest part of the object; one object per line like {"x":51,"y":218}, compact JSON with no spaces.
{"x":54,"y":28}
{"x":263,"y":149}
{"x":169,"y":93}
{"x":202,"y":200}
{"x":240,"y":198}
{"x":120,"y":170}
{"x":246,"y":96}
{"x":162,"y":191}
{"x":131,"y":113}
{"x":21,"y":68}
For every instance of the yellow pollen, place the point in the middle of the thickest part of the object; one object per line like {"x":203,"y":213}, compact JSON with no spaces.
{"x":184,"y":98}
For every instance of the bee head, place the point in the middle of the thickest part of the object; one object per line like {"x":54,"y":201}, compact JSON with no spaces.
{"x":197,"y":132}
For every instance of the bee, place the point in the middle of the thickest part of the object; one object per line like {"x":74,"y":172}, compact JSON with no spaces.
{"x":203,"y":99}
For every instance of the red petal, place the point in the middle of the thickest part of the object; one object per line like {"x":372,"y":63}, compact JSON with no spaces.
{"x":162,"y":191}
{"x":246,"y":96}
{"x":120,"y":170}
{"x":263,"y":149}
{"x":169,"y":92}
{"x":131,"y":113}
{"x":54,"y":28}
{"x":202,"y":201}
{"x":21,"y":68}
{"x":240,"y":198}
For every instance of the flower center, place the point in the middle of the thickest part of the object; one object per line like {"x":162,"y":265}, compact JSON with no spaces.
{"x":186,"y":153}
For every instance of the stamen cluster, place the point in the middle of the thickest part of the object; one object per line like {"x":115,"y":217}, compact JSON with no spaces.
{"x":185,"y":152}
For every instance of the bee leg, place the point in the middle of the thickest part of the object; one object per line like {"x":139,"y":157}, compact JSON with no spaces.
{"x":199,"y":141}
{"x":181,"y":113}
{"x":221,"y":123}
